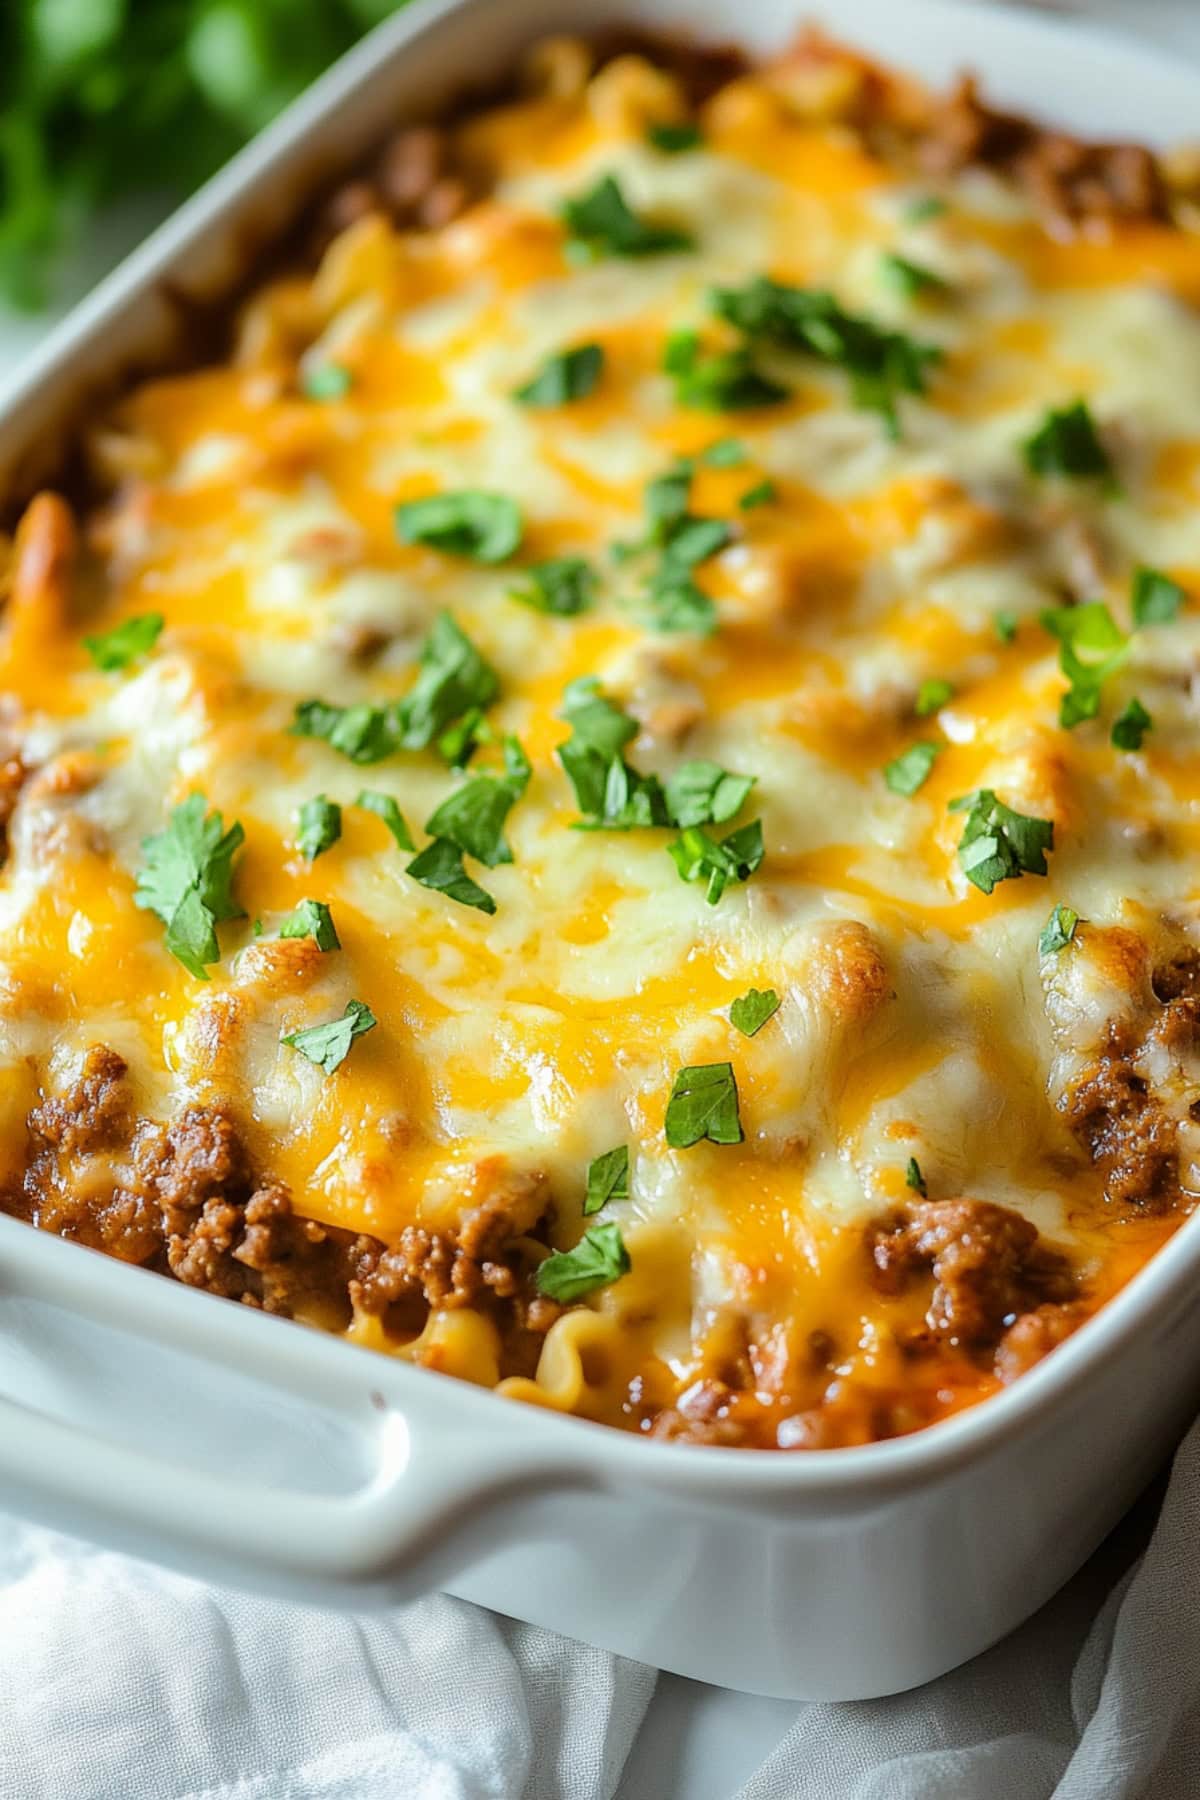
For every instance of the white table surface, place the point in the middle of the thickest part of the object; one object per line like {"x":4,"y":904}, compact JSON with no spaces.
{"x":697,"y":1742}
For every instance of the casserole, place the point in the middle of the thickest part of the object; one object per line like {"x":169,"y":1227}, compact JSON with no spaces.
{"x":838,"y":1542}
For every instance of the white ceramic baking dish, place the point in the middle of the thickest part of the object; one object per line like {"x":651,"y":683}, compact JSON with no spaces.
{"x":237,"y":1447}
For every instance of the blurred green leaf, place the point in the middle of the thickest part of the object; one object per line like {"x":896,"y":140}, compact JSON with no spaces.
{"x":101,"y":98}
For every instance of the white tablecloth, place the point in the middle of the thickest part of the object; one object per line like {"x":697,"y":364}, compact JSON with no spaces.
{"x":121,"y":1683}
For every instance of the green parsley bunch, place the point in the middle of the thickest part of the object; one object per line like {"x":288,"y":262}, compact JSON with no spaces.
{"x":98,"y":98}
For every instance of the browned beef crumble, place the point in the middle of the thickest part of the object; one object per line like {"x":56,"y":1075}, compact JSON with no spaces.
{"x":988,"y":1263}
{"x":1124,"y":1129}
{"x":1073,"y":184}
{"x":182,"y":1197}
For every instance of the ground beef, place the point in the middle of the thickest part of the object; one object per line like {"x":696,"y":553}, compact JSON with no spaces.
{"x":183,"y":1197}
{"x":701,"y":1415}
{"x":1073,"y":184}
{"x":988,"y":1265}
{"x":1034,"y":1335}
{"x":1125,"y":1130}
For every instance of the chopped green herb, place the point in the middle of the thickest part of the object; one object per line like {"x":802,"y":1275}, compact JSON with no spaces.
{"x":598,"y":1259}
{"x":563,"y":586}
{"x":722,"y":381}
{"x":910,"y":279}
{"x":320,"y":825}
{"x":750,"y":1012}
{"x":364,"y":733}
{"x":932,"y":696}
{"x":1006,"y":625}
{"x":725,"y":453}
{"x":459,"y":742}
{"x":704,"y":1104}
{"x":1058,"y":930}
{"x":1067,"y":443}
{"x":312,"y":918}
{"x":452,"y":679}
{"x":611,"y":794}
{"x":881,"y":364}
{"x":601,"y":223}
{"x":674,"y":137}
{"x":326,"y":381}
{"x":607,"y":1179}
{"x":385,"y":807}
{"x":703,"y":793}
{"x":440,"y":866}
{"x":569,"y":375}
{"x":329,"y":1045}
{"x":125,"y":643}
{"x":910,"y":770}
{"x":473,"y":818}
{"x":914,"y":1179}
{"x":675,"y":603}
{"x":760,"y":495}
{"x":925,"y":206}
{"x":1156,"y":599}
{"x":187,"y":881}
{"x":997,"y":843}
{"x":1131,"y":726}
{"x":734,"y":858}
{"x":484,"y":527}
{"x":1089,"y":628}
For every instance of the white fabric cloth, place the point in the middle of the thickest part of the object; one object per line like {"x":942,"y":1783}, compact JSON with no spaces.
{"x":119,"y":1682}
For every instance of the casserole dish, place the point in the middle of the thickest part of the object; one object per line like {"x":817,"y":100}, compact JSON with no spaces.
{"x":871,"y":1570}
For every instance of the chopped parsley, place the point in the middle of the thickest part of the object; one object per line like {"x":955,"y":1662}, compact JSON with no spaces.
{"x":384,"y":807}
{"x":1067,"y":443}
{"x":724,"y":453}
{"x":607,"y":1179}
{"x":997,"y":843}
{"x":761,"y":494}
{"x":601,"y":223}
{"x":750,"y":1011}
{"x":1058,"y":930}
{"x":720,"y":381}
{"x":598,"y":1259}
{"x":925,"y":206}
{"x":1089,"y":628}
{"x":703,"y":1104}
{"x":1155,"y":599}
{"x":486,"y":528}
{"x":610,"y":793}
{"x":440,"y":866}
{"x":125,"y":643}
{"x":914,"y":1179}
{"x":675,"y":136}
{"x":459,"y":742}
{"x":566,"y":376}
{"x":1130,"y":726}
{"x":187,"y":881}
{"x":703,"y":793}
{"x":473,"y":817}
{"x":910,"y":279}
{"x":563,"y":586}
{"x":675,"y":603}
{"x":910,"y":770}
{"x":326,"y":381}
{"x":320,"y":825}
{"x":932,"y":695}
{"x":673,"y":600}
{"x":329,"y":1045}
{"x":734,"y":858}
{"x":453,"y":678}
{"x":1006,"y":625}
{"x":364,"y":733}
{"x":882,"y":364}
{"x":312,"y":918}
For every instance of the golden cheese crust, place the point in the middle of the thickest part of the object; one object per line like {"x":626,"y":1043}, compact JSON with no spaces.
{"x":608,"y":804}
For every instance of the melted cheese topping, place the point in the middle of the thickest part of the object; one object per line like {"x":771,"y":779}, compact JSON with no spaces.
{"x":912,"y":1021}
